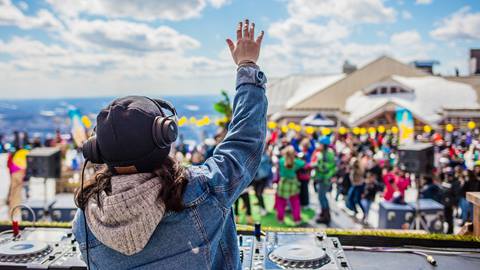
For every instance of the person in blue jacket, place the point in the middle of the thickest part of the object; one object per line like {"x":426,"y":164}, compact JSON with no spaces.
{"x":143,"y":210}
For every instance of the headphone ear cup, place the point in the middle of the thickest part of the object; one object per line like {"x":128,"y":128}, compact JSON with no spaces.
{"x":169,"y":130}
{"x":165,"y":131}
{"x":91,"y":151}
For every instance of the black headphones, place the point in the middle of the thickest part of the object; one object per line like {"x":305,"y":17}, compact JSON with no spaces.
{"x":164,"y":132}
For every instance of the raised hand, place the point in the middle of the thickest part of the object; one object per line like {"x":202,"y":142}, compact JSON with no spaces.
{"x":246,"y":50}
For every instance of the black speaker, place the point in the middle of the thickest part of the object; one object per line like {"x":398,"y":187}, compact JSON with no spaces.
{"x":416,"y":158}
{"x":44,"y":162}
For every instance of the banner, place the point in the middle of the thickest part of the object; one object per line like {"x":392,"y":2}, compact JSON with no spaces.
{"x":405,"y":126}
{"x":78,"y":130}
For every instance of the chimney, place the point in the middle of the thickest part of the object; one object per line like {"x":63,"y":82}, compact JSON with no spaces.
{"x":426,"y":66}
{"x":348,"y":68}
{"x":475,"y":62}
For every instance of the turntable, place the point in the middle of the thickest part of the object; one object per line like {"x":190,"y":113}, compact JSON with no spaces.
{"x":299,"y":256}
{"x":23,"y":251}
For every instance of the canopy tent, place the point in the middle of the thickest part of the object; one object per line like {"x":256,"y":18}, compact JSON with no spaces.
{"x":317,"y":120}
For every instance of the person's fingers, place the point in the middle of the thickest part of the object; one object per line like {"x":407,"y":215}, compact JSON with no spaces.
{"x":230,"y":44}
{"x":260,"y":38}
{"x":239,"y":31}
{"x":252,"y":31}
{"x":245,"y":29}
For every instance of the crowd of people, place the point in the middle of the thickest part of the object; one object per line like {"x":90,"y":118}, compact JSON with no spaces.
{"x":358,"y":169}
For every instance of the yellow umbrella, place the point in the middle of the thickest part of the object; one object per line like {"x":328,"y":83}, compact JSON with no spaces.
{"x":272,"y":125}
{"x":326,"y":131}
{"x":471,"y":125}
{"x":182,"y":121}
{"x":356,"y":130}
{"x":427,"y":129}
{"x":309,"y":130}
{"x":449,"y":127}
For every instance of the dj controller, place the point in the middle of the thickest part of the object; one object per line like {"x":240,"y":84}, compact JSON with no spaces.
{"x":55,"y":248}
{"x":288,"y":250}
{"x":40,"y":248}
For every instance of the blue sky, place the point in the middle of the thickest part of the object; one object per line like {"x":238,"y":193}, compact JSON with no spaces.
{"x":58,"y":48}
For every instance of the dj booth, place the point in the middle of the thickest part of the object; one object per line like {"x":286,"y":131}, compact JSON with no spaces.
{"x":52,"y":246}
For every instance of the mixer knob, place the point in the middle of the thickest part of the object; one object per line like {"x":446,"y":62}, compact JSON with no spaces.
{"x":51,"y":257}
{"x":320,"y":236}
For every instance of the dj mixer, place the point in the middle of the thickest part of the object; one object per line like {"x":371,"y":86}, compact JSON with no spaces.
{"x":55,"y":248}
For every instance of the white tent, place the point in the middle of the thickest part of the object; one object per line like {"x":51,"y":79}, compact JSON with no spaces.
{"x":317,"y":120}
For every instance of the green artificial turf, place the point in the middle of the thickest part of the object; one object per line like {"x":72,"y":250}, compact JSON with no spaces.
{"x":270,"y":219}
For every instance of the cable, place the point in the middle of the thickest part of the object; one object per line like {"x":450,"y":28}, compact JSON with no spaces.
{"x":430,"y":259}
{"x":34,"y":216}
{"x":85,"y":214}
{"x":5,"y":232}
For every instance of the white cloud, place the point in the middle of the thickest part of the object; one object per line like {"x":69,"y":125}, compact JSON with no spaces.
{"x":299,"y":32}
{"x":406,"y":15}
{"x":423,"y":2}
{"x":409,"y":46}
{"x":359,"y":11}
{"x":23,"y":5}
{"x":462,"y":24}
{"x":144,"y":10}
{"x":315,"y":36}
{"x":12,"y":15}
{"x":124,"y":35}
{"x":107,"y":55}
{"x":219,"y":3}
{"x":75,"y":71}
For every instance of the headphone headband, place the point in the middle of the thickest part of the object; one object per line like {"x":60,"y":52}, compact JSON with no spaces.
{"x":163,"y":104}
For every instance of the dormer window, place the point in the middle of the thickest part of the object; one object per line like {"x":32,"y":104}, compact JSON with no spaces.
{"x":390,"y":87}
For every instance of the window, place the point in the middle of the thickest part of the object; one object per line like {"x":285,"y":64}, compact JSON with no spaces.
{"x":387,"y":90}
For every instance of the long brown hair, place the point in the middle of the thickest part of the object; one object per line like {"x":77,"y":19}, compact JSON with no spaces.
{"x":172,"y":175}
{"x":289,"y":155}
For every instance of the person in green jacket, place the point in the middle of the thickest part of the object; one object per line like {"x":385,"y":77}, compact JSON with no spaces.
{"x":289,"y":187}
{"x":325,"y":168}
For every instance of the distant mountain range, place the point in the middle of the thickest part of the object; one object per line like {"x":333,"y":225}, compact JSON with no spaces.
{"x":41,"y":117}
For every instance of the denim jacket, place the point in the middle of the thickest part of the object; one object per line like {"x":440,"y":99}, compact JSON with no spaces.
{"x":203,"y":236}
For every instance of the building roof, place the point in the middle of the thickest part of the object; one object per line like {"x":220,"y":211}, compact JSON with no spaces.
{"x":281,"y":92}
{"x":335,"y":94}
{"x":430,"y":96}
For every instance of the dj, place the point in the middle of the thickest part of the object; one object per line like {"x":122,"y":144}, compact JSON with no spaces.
{"x":143,"y":210}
